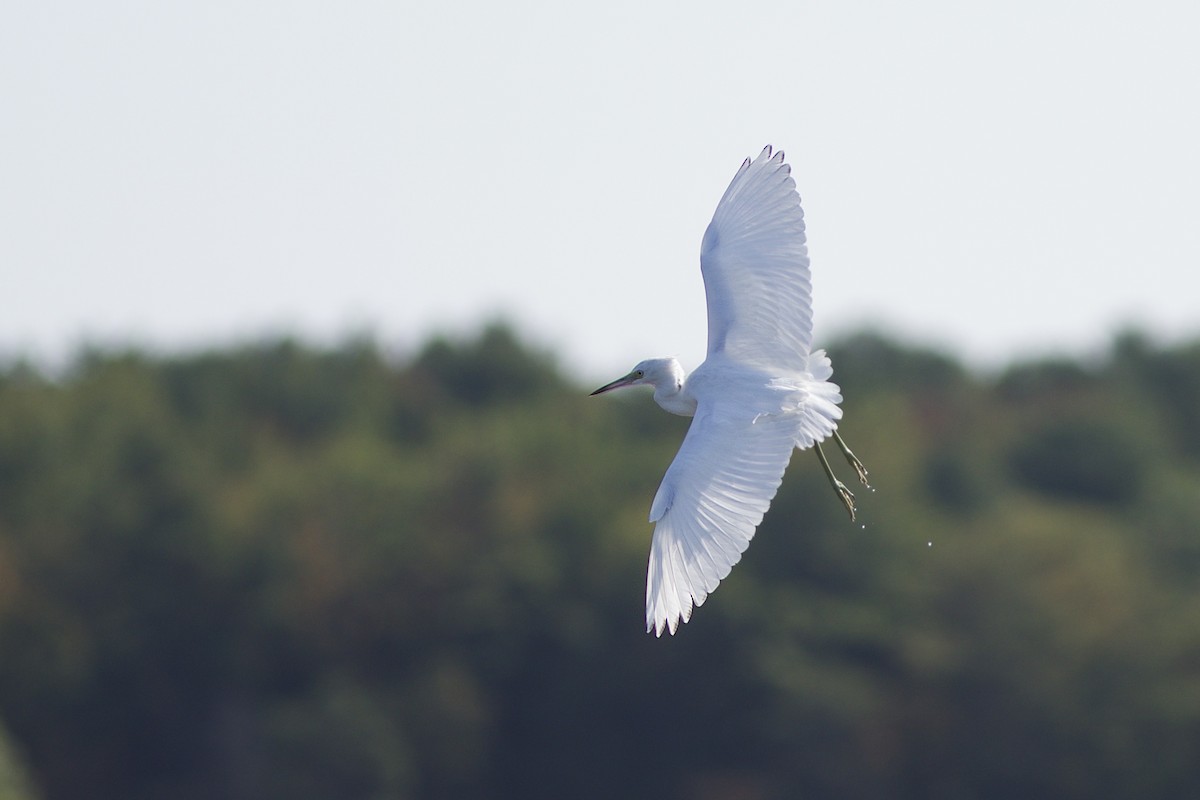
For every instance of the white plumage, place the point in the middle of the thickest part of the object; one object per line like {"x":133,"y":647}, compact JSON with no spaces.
{"x":760,"y":393}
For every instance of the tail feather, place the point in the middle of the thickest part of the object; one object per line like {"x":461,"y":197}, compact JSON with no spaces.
{"x":819,"y":407}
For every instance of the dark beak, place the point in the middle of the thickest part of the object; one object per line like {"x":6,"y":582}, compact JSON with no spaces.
{"x":617,"y":384}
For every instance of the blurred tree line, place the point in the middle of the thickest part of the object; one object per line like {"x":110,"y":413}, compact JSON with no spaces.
{"x":285,"y":572}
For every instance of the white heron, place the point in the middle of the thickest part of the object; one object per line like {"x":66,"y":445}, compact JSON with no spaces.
{"x":761,"y":392}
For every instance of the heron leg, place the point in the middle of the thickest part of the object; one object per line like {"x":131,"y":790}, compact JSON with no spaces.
{"x":844,"y":494}
{"x":853,"y":459}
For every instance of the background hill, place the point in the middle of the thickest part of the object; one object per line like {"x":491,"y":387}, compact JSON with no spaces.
{"x":279,"y":571}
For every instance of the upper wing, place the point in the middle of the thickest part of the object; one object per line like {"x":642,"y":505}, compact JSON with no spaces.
{"x":709,"y":504}
{"x":755,"y":264}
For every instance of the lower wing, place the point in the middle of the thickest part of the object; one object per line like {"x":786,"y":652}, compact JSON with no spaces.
{"x":711,"y":501}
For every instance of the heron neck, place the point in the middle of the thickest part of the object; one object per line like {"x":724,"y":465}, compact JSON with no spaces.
{"x":673,"y":396}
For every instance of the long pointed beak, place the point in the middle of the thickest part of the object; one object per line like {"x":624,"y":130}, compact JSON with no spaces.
{"x":624,"y":380}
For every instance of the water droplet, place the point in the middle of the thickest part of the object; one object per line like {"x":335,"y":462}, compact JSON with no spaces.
{"x":929,"y":544}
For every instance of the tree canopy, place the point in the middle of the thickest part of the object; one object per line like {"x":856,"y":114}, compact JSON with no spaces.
{"x":293,"y":572}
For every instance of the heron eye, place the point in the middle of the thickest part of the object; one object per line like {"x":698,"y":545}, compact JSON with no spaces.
{"x":639,"y":374}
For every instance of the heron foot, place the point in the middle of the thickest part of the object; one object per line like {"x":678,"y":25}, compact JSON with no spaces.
{"x":852,"y":459}
{"x":844,"y":494}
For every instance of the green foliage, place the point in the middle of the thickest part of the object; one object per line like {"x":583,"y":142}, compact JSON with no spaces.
{"x":14,"y":783}
{"x":1080,"y":459}
{"x":276,"y":571}
{"x":869,"y":361}
{"x":494,"y":369}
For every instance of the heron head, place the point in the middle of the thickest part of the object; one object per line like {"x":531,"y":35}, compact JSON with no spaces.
{"x":635,"y":376}
{"x":652,"y":371}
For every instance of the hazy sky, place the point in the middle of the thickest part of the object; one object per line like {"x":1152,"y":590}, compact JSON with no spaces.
{"x":996,"y":179}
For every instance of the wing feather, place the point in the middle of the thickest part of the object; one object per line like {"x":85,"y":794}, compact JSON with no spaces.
{"x":711,"y":501}
{"x":756,"y":269}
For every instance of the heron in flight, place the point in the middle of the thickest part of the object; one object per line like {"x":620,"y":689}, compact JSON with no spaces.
{"x":761,"y":392}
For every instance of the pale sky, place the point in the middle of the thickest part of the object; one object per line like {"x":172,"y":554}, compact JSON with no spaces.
{"x":998,"y":180}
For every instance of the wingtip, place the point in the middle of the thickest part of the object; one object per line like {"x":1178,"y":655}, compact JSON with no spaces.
{"x":663,"y":623}
{"x":769,"y":155}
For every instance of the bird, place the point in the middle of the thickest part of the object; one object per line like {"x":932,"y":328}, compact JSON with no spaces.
{"x":761,"y":393}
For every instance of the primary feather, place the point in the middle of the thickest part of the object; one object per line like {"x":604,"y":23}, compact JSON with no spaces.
{"x":754,"y":258}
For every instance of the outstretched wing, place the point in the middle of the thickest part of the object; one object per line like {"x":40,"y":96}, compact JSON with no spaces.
{"x":755,"y":264}
{"x":711,"y":500}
